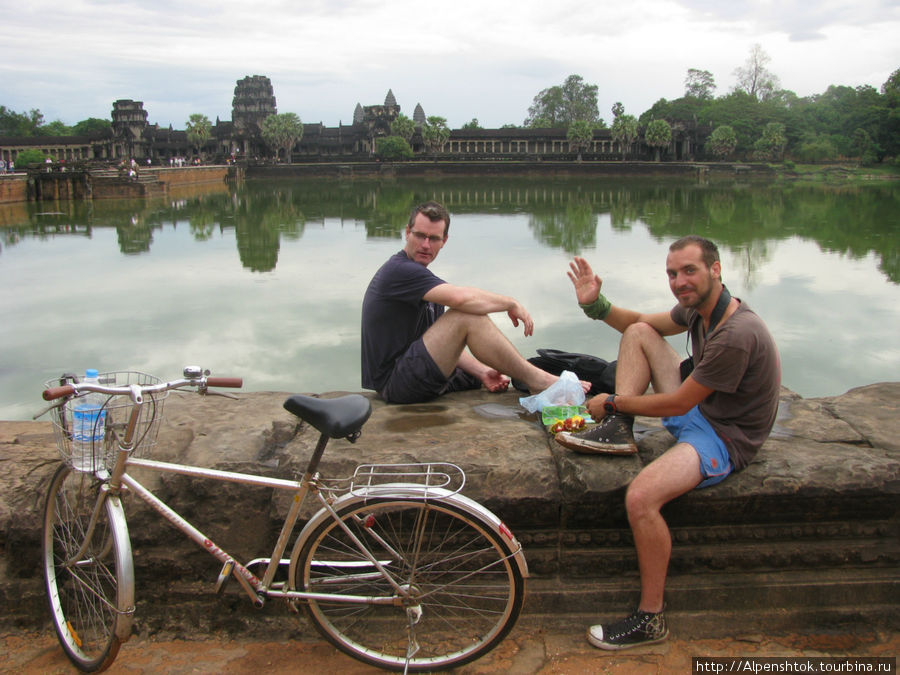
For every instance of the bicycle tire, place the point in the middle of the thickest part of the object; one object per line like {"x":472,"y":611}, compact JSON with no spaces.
{"x":464,"y":575}
{"x":92,"y":599}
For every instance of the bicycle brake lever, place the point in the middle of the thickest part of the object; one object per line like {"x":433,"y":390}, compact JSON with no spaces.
{"x":207,"y":392}
{"x":49,"y":408}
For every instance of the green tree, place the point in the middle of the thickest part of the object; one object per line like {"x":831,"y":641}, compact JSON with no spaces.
{"x":436,"y":133}
{"x":625,"y":132}
{"x":393,"y":147}
{"x":563,"y":104}
{"x":658,"y":135}
{"x":473,"y":124}
{"x":771,"y":144}
{"x":722,"y":141}
{"x":617,"y":109}
{"x":580,"y":136}
{"x":889,"y":133}
{"x":754,"y":78}
{"x":55,"y":128}
{"x":198,"y":129}
{"x":20,"y":124}
{"x":540,"y":123}
{"x":29,"y":156}
{"x":743,"y":113}
{"x":816,"y":149}
{"x":864,"y":147}
{"x":281,"y":132}
{"x":90,"y":126}
{"x":403,"y":127}
{"x":699,"y":84}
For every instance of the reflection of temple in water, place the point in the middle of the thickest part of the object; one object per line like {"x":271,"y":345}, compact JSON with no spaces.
{"x":132,"y":136}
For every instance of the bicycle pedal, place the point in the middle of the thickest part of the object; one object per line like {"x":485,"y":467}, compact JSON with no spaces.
{"x":224,"y":576}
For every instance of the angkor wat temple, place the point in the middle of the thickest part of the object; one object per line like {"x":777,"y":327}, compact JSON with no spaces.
{"x":131,"y":136}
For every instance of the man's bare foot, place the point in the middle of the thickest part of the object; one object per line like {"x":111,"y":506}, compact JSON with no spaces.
{"x":548,"y":379}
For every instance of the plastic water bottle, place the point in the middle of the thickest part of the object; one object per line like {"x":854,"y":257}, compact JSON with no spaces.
{"x":88,"y":427}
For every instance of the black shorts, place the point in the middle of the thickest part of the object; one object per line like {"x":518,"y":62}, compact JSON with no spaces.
{"x":417,"y":378}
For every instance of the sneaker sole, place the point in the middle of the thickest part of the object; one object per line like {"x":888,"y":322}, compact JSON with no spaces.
{"x":586,"y":447}
{"x":599,"y":644}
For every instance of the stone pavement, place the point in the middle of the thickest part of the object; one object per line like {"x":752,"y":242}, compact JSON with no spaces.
{"x":559,"y":649}
{"x":803,"y":540}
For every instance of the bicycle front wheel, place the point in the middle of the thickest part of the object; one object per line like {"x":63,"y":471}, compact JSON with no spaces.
{"x":461,"y":590}
{"x":88,"y":570}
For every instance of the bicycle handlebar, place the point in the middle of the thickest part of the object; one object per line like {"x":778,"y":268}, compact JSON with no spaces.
{"x":232,"y":382}
{"x":58,"y":392}
{"x":202,"y":383}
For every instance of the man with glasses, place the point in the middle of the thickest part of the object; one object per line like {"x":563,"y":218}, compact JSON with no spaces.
{"x":720,"y":406}
{"x":413,"y":350}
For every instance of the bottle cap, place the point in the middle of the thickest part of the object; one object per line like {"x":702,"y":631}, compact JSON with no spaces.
{"x":91,"y":372}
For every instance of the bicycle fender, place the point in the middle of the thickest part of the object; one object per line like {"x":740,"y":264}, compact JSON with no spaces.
{"x":125,"y":562}
{"x":414,"y":491}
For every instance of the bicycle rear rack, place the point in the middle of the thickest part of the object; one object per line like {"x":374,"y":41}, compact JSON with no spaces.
{"x":436,"y":480}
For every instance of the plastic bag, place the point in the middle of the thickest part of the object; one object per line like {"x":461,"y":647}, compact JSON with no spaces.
{"x":555,"y":413}
{"x":565,"y":391}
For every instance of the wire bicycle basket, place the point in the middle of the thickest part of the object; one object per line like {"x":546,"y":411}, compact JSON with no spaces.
{"x":99,"y":451}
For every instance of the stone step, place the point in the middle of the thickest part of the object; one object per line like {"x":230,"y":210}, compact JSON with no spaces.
{"x":807,"y":533}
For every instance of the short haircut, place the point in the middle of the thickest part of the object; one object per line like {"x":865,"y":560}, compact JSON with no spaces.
{"x":434,"y":212}
{"x":708,"y":249}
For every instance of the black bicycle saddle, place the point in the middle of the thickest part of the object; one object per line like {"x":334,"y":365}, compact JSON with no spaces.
{"x":334,"y":417}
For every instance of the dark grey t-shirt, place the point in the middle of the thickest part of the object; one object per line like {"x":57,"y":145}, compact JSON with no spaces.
{"x":740,"y":361}
{"x":394,"y":315}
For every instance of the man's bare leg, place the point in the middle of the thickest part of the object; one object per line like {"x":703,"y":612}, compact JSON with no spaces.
{"x":454,"y":331}
{"x":674,"y":473}
{"x":646,"y":358}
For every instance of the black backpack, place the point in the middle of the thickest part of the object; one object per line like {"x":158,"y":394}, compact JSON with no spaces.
{"x":600,"y":373}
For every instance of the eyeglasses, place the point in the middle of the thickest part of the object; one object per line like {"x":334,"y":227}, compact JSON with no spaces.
{"x":433,"y":239}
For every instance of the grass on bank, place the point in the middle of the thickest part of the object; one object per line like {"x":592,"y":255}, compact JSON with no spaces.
{"x":846,"y":172}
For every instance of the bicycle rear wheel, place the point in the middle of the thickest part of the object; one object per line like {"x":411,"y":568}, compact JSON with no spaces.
{"x":460,"y":575}
{"x":91,"y":597}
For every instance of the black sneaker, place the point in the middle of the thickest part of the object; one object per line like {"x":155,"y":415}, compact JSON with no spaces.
{"x":641,"y":628}
{"x":613,"y":436}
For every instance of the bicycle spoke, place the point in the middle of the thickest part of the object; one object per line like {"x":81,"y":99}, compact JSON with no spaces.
{"x":459,"y":578}
{"x":83,"y":591}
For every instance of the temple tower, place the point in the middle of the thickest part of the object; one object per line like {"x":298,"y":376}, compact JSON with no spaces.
{"x":129,"y":122}
{"x":419,"y":116}
{"x":254,"y":101}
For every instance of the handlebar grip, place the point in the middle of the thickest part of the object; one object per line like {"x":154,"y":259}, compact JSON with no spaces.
{"x":58,"y":392}
{"x":233,"y":382}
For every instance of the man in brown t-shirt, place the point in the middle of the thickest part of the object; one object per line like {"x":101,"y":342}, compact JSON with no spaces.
{"x":720,"y":406}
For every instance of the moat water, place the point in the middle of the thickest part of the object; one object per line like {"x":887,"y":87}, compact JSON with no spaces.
{"x":264,"y":280}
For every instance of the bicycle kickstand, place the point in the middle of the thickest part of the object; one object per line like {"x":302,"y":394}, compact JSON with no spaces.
{"x":413,"y":614}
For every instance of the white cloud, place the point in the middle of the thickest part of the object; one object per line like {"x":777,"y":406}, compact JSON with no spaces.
{"x":469,"y":59}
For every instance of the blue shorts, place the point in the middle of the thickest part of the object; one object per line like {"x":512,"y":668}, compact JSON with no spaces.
{"x":694,"y":429}
{"x":416,"y":378}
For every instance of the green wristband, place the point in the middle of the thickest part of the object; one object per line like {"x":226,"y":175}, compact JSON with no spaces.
{"x":598,"y":309}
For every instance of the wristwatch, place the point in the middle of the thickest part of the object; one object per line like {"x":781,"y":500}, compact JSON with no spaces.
{"x":609,"y":405}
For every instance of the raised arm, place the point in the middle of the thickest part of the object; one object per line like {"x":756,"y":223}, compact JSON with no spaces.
{"x":587,"y":290}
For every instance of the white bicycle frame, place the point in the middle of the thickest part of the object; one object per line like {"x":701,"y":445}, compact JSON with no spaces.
{"x":259,"y":589}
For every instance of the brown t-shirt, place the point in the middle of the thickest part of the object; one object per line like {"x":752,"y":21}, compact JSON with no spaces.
{"x":740,"y":362}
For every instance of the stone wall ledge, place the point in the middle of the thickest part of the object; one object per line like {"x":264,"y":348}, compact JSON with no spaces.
{"x":805,"y":537}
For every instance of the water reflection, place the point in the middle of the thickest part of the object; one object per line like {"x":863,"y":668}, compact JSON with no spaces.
{"x":265,"y":279}
{"x":562,"y":214}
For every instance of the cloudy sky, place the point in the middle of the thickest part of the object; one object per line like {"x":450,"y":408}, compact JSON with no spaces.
{"x":464,"y":59}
